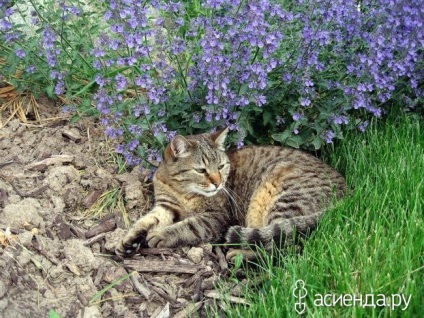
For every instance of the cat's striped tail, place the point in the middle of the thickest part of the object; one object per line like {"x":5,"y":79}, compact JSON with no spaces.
{"x":277,"y":234}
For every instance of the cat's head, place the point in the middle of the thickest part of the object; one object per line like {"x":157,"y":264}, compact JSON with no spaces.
{"x":198,"y":163}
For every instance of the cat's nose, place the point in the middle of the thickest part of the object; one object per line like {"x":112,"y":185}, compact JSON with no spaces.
{"x":215,"y":179}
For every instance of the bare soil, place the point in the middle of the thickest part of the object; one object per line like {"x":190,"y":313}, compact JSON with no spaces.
{"x":54,"y":256}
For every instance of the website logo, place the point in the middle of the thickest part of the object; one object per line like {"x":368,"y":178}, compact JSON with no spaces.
{"x":300,"y":292}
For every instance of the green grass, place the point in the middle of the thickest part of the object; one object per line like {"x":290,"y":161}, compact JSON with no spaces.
{"x":372,"y":242}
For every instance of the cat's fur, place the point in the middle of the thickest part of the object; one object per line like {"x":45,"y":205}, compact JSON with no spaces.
{"x":258,"y":195}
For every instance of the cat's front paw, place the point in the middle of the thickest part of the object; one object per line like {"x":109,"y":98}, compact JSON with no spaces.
{"x":129,"y":245}
{"x":160,"y":238}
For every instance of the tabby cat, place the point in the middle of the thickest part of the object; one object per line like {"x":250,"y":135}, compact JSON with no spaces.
{"x":257,"y":195}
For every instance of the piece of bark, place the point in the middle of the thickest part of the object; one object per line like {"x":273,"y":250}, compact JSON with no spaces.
{"x":189,"y":310}
{"x":166,"y":266}
{"x":194,"y":278}
{"x":81,"y":296}
{"x":55,"y":159}
{"x":49,"y":233}
{"x":197,"y":289}
{"x":119,"y":219}
{"x":5,"y":163}
{"x":94,"y":239}
{"x":161,"y":312}
{"x":140,"y":286}
{"x":89,"y":200}
{"x":215,"y":295}
{"x":71,"y":134}
{"x":63,"y":229}
{"x":135,"y":300}
{"x":155,"y":251}
{"x":4,"y":198}
{"x":210,"y":283}
{"x":13,"y":277}
{"x":107,"y":224}
{"x":73,"y":268}
{"x":31,"y":194}
{"x":99,"y":275}
{"x":13,"y":231}
{"x":164,"y":295}
{"x":78,"y":232}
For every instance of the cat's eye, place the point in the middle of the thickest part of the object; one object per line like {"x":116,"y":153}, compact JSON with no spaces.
{"x":220,"y":167}
{"x":202,"y":171}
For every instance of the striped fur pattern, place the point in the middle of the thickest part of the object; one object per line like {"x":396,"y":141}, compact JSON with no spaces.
{"x":257,"y":195}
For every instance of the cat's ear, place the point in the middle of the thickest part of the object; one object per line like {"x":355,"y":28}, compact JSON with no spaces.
{"x":219,"y":137}
{"x":179,"y":147}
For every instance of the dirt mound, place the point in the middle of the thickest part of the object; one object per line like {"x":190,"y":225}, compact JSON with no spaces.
{"x":53,"y":256}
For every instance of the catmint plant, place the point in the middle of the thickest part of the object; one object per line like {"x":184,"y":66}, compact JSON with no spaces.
{"x":297,"y":73}
{"x":45,"y":43}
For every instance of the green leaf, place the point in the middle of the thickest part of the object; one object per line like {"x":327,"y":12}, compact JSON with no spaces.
{"x":267,"y":117}
{"x":243,"y":89}
{"x":86,"y":102}
{"x":238,"y":261}
{"x":74,"y":119}
{"x":282,"y":137}
{"x":317,"y":142}
{"x":49,"y":91}
{"x":292,"y":143}
{"x":53,"y":314}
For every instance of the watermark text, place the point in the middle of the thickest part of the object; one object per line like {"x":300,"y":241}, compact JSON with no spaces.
{"x":347,"y":300}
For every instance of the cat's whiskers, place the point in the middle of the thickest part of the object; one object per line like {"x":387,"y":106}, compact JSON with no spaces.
{"x":229,"y":197}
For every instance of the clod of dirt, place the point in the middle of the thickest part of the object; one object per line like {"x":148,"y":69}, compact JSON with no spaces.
{"x":133,"y":192}
{"x":25,"y":212}
{"x":90,"y":312}
{"x":3,"y":303}
{"x":195,"y":254}
{"x":80,"y":255}
{"x":112,"y":239}
{"x":72,"y":196}
{"x":3,"y":288}
{"x":98,"y":179}
{"x":24,"y":257}
{"x":60,"y":176}
{"x":25,"y":238}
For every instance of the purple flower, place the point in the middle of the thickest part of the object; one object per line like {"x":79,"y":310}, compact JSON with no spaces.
{"x":132,"y":145}
{"x":121,"y":82}
{"x":69,"y":108}
{"x":31,"y":69}
{"x":297,"y":116}
{"x":340,"y":120}
{"x":59,"y":87}
{"x":305,"y":102}
{"x":20,"y":53}
{"x":5,"y":25}
{"x":363,"y":126}
{"x":328,"y":136}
